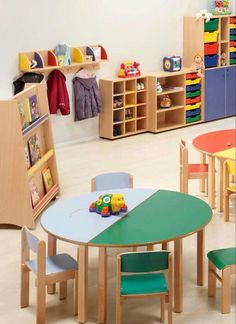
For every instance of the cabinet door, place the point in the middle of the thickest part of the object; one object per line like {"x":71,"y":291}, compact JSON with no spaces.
{"x":230,"y":91}
{"x":214,"y":94}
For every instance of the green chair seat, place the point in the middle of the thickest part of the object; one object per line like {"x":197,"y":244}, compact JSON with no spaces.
{"x":223,"y":257}
{"x":143,"y":284}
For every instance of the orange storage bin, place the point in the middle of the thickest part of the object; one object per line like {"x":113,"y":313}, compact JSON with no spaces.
{"x":211,"y":48}
{"x":233,"y":44}
{"x":192,"y":101}
{"x":233,"y":20}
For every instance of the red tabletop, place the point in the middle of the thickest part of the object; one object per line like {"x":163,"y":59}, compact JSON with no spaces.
{"x":215,"y":141}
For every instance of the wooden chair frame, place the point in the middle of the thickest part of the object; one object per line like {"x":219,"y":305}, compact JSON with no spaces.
{"x":185,"y":175}
{"x":43,"y":280}
{"x":227,"y":193}
{"x":164,"y":296}
{"x":225,"y":281}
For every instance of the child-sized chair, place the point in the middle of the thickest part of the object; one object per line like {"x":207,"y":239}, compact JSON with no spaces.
{"x":190,"y":171}
{"x":112,"y":180}
{"x":229,"y":170}
{"x":225,"y":260}
{"x":144,"y":280}
{"x":48,"y":270}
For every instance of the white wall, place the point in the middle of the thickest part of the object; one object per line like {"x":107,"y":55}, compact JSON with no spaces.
{"x":139,"y":30}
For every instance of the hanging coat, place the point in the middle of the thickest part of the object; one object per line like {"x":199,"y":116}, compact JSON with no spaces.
{"x":87,"y":98}
{"x":57,"y":93}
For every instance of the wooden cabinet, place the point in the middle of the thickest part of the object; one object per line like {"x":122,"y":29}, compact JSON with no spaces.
{"x":220,"y":93}
{"x":16,"y":199}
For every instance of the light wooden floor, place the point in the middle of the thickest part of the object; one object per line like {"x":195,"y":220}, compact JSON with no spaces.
{"x":153,"y":160}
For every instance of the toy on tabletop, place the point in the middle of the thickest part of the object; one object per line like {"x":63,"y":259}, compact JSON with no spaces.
{"x":159,"y":87}
{"x":129,"y":69}
{"x":223,"y":59}
{"x":172,"y":63}
{"x":165,"y":102}
{"x":109,"y":204}
{"x":220,"y":7}
{"x":204,"y":14}
{"x":198,"y":65}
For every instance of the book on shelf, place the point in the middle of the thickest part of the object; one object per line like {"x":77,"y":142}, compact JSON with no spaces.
{"x":34,"y":192}
{"x":27,"y":157}
{"x":23,"y":118}
{"x":47,"y":179}
{"x":34,"y":149}
{"x":34,"y":108}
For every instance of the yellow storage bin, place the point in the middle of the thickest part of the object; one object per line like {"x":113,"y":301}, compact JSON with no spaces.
{"x":196,"y":106}
{"x":194,"y":81}
{"x":211,"y":37}
{"x":232,"y":49}
{"x":232,"y":26}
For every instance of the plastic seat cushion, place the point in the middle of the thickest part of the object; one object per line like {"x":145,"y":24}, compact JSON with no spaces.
{"x":223,"y":257}
{"x":143,"y":284}
{"x":55,"y":264}
{"x":232,"y":188}
{"x":194,"y":168}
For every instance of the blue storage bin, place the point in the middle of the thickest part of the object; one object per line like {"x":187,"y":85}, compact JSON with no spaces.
{"x":233,"y":55}
{"x":194,"y":87}
{"x":192,"y":113}
{"x":232,"y":31}
{"x":210,"y":60}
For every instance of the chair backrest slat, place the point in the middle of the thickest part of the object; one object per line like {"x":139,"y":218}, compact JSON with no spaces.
{"x":113,"y":180}
{"x":183,"y":154}
{"x":144,"y":261}
{"x":31,"y":240}
{"x":231,"y":167}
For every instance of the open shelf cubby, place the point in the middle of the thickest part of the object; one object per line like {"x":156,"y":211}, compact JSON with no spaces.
{"x":170,"y":119}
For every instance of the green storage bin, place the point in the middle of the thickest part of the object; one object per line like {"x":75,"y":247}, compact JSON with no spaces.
{"x":232,"y":37}
{"x":193,"y":119}
{"x":193,"y":94}
{"x":211,"y":25}
{"x":232,"y":61}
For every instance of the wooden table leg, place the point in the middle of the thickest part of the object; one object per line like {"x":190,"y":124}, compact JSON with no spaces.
{"x":82,"y":256}
{"x":219,"y":200}
{"x":200,"y":257}
{"x":178,"y":276}
{"x":52,"y":250}
{"x":202,"y":181}
{"x":211,"y":181}
{"x":102,"y":286}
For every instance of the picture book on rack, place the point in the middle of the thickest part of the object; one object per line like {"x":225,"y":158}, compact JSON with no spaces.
{"x":27,"y":158}
{"x":34,"y":149}
{"x":23,"y":118}
{"x":34,"y":109}
{"x":35,"y":198}
{"x":47,"y":179}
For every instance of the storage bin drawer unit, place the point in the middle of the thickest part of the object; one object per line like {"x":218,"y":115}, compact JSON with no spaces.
{"x":211,"y":61}
{"x":232,"y":37}
{"x":192,"y":113}
{"x":193,"y":107}
{"x":211,"y":37}
{"x":232,"y":32}
{"x":194,"y":87}
{"x":192,"y":101}
{"x":232,"y":49}
{"x":193,"y":94}
{"x":193,"y":119}
{"x":233,"y":55}
{"x":232,"y":61}
{"x":192,"y":82}
{"x":211,"y":48}
{"x":232,"y":44}
{"x":232,"y":20}
{"x":211,"y":25}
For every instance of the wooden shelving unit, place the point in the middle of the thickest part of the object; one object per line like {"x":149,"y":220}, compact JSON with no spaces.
{"x":81,"y":56}
{"x":125,"y":108}
{"x":16,"y":207}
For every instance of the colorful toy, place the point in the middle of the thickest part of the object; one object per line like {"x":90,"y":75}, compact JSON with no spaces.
{"x":198,"y":65}
{"x":159,"y":87}
{"x":220,"y":7}
{"x":109,"y":204}
{"x":204,"y":14}
{"x":223,"y":59}
{"x":129,"y":69}
{"x":165,"y":102}
{"x":172,"y":63}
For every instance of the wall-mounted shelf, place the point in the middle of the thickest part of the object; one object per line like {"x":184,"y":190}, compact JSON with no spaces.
{"x":47,"y":61}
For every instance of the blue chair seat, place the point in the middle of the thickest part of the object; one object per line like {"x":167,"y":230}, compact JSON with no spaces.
{"x":55,"y":264}
{"x":143,"y":284}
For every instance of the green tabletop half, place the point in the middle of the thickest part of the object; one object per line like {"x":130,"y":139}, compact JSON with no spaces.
{"x":164,"y":216}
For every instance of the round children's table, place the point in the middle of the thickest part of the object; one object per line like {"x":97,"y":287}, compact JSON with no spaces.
{"x":154,"y":216}
{"x":210,"y":144}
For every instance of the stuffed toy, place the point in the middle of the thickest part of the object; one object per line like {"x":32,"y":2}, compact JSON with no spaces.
{"x":198,"y":65}
{"x":204,"y":14}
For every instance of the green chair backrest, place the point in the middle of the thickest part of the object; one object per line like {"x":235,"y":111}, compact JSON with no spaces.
{"x":144,"y":261}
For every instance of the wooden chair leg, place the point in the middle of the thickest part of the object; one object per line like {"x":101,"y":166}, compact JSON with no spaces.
{"x":118,"y":309}
{"x":24,"y":290}
{"x":75,"y":300}
{"x":202,"y":181}
{"x":170,"y":310}
{"x":226,"y":291}
{"x":40,"y":302}
{"x":226,"y":207}
{"x":63,"y":290}
{"x":162,"y":309}
{"x":211,"y":279}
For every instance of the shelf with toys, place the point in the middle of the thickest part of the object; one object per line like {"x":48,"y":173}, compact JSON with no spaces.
{"x":28,"y":150}
{"x":62,"y":58}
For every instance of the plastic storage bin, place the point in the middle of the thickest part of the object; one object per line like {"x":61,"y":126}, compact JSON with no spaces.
{"x":232,"y":37}
{"x":232,"y":49}
{"x":232,"y":25}
{"x":193,"y":101}
{"x":193,"y":107}
{"x":211,"y":37}
{"x":232,"y":44}
{"x":232,"y":31}
{"x":191,"y":76}
{"x":193,"y":94}
{"x":211,"y":48}
{"x":233,"y":55}
{"x":211,"y":25}
{"x":232,"y":61}
{"x":193,"y":119}
{"x":192,"y":82}
{"x":192,"y":113}
{"x":193,"y":87}
{"x":210,"y":60}
{"x":233,"y":20}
